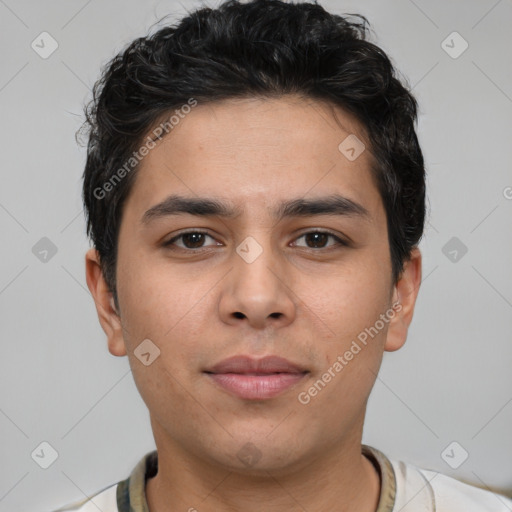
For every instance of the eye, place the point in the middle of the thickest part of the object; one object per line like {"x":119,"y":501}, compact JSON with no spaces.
{"x":190,"y":240}
{"x":319,"y":239}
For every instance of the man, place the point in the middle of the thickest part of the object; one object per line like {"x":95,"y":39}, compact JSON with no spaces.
{"x":255,"y":192}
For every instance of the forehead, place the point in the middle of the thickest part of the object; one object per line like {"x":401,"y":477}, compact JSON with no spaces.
{"x":256,"y":151}
{"x":286,"y":128}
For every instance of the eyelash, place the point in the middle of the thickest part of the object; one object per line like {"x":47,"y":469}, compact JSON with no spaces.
{"x":339,"y":241}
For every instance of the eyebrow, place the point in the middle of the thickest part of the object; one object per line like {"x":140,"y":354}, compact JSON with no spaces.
{"x":209,"y":207}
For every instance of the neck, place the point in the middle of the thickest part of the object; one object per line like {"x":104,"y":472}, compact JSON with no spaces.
{"x":340,"y":480}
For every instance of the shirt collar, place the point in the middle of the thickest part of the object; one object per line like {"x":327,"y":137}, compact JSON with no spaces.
{"x":131,"y":493}
{"x":387,"y":477}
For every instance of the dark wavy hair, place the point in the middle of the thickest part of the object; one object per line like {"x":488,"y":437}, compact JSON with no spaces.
{"x":264,"y":48}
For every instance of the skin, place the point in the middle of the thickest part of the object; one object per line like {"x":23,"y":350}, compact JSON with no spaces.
{"x":303,"y":302}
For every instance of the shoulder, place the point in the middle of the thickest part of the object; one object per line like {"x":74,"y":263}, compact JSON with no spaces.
{"x":104,"y":500}
{"x":452,"y":494}
{"x":116,"y":497}
{"x":426,"y":490}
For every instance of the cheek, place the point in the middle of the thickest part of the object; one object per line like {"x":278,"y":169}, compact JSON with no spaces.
{"x":176,"y":319}
{"x":166,"y":393}
{"x":348,"y":301}
{"x":157,"y":303}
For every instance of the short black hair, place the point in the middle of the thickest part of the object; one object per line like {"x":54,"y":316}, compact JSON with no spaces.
{"x":260,"y":48}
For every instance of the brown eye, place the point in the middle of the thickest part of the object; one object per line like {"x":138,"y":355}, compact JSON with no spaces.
{"x":193,"y":240}
{"x":189,"y":240}
{"x":319,"y":240}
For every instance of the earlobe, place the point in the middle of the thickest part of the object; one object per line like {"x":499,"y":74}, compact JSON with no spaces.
{"x":109,"y":318}
{"x":404,"y":299}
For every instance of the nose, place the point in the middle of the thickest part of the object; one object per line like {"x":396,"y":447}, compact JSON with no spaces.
{"x":257,"y":291}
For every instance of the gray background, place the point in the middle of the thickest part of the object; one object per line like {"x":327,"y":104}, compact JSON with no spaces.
{"x":452,"y":381}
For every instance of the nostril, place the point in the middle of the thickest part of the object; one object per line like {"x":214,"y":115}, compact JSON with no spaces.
{"x":237,"y":314}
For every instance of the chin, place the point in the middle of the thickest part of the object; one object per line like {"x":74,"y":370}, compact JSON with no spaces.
{"x":261,"y":454}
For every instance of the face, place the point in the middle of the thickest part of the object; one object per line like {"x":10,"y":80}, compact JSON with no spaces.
{"x":289,"y":258}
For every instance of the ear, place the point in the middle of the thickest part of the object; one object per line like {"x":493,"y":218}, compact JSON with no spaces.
{"x":405,"y":293}
{"x":109,"y":319}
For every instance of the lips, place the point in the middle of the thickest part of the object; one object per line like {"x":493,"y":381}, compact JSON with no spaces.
{"x":256,"y":379}
{"x":247,"y":365}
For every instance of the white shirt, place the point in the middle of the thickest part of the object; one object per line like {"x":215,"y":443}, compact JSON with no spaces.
{"x":404,"y":488}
